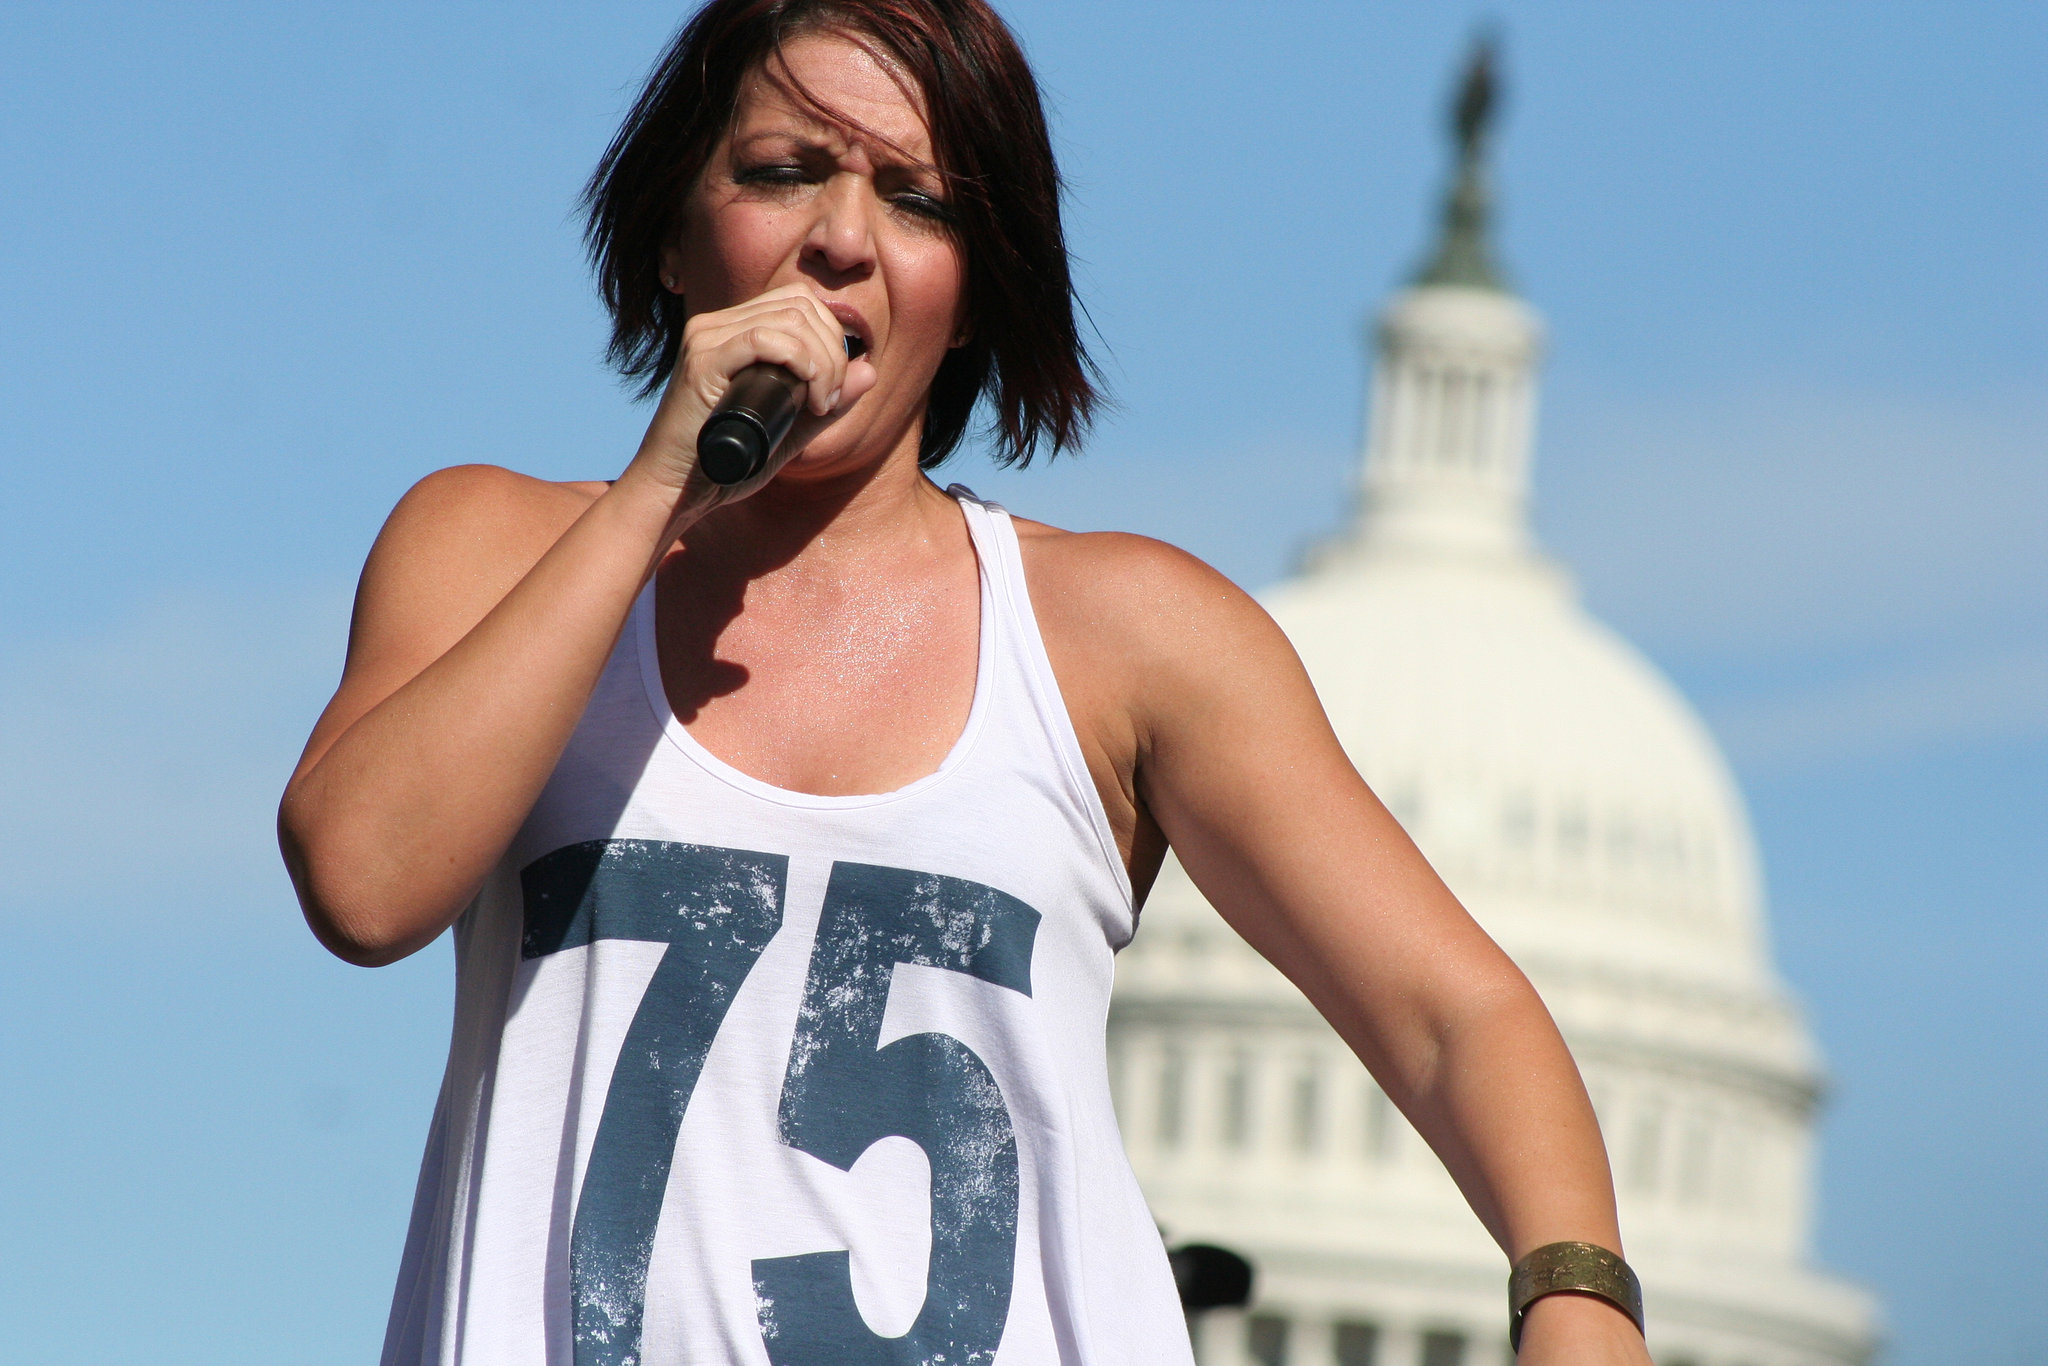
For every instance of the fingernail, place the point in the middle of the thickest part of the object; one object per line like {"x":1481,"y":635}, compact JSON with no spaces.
{"x":832,"y":402}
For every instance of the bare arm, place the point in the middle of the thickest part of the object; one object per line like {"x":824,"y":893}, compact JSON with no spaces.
{"x":484,"y":617}
{"x":485,"y":614}
{"x":1236,"y":762}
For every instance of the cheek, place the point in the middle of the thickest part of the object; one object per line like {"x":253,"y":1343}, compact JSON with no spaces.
{"x":931,"y":293}
{"x":732,"y":255}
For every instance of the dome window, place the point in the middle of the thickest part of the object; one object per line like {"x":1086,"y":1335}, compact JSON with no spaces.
{"x":1573,"y":830}
{"x":1403,"y":800}
{"x":1237,"y":1103}
{"x":1621,"y":840}
{"x":1307,"y":1107}
{"x":1646,"y":1147}
{"x":1357,"y":1344}
{"x":1173,"y":1076}
{"x":1382,"y":1125}
{"x":1443,"y":1349}
{"x":1265,"y":1339}
{"x":1518,"y":820}
{"x":1695,"y":1156}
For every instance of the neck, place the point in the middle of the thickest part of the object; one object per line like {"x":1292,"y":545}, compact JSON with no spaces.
{"x":824,"y":523}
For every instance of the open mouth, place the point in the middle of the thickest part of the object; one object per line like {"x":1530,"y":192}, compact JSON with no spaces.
{"x":855,"y":347}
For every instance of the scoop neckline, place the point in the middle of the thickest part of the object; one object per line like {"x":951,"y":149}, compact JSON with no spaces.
{"x":646,"y":615}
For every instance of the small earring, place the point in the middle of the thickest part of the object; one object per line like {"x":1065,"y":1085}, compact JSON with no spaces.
{"x":668,"y":282}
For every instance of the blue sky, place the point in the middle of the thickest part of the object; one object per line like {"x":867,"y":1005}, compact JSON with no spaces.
{"x":263,"y":266}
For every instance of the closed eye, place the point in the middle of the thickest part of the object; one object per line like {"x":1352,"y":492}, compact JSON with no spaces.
{"x":924,"y":206}
{"x":773,"y":174}
{"x":779,"y":173}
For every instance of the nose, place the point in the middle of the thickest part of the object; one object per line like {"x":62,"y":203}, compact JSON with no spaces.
{"x":842,"y":239}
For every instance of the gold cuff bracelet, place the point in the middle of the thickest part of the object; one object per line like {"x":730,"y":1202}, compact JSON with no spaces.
{"x":1585,"y":1267}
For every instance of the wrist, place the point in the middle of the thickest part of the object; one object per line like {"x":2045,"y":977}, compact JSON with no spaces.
{"x":1579,"y":1330}
{"x":1578,"y":1309}
{"x":658,"y":505}
{"x":1574,"y":1271}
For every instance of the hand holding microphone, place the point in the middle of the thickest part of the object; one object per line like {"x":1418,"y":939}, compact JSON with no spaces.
{"x":748,"y":380}
{"x":749,"y":423}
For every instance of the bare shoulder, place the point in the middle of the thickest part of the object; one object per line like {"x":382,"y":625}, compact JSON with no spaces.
{"x":483,"y":511}
{"x":1149,"y":621}
{"x":457,"y":542}
{"x":471,"y":524}
{"x":1135,"y":592}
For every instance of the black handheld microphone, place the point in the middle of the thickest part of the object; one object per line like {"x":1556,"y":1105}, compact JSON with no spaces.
{"x":743,"y":431}
{"x":749,"y":423}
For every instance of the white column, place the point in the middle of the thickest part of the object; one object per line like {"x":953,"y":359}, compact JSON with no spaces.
{"x":1447,"y":446}
{"x":1312,"y":1341}
{"x":1400,"y":1345}
{"x":1219,"y":1338}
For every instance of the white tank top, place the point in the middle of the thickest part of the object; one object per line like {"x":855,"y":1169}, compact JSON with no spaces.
{"x":745,"y":1075}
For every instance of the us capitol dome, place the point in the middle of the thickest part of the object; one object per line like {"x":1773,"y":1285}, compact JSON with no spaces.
{"x":1581,"y":811}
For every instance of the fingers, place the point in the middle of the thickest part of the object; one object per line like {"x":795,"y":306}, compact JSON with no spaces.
{"x":789,"y":326}
{"x":861,"y":376}
{"x":831,"y":339}
{"x":765,"y":342}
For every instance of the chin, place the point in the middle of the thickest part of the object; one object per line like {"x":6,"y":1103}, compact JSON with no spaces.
{"x":838,"y":452}
{"x":829,"y":460}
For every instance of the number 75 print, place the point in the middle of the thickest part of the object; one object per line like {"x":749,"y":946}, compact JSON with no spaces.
{"x":716,"y":910}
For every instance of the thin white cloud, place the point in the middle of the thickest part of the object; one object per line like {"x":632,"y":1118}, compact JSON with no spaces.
{"x":1976,"y":699}
{"x":143,"y":763}
{"x":1790,"y":534}
{"x":1795,"y":523}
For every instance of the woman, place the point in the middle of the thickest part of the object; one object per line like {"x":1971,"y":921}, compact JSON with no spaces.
{"x":789,"y":830}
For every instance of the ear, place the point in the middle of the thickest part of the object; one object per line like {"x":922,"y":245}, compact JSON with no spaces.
{"x":672,"y":267}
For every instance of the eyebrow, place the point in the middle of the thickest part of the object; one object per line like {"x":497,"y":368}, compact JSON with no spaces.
{"x":813,"y":138}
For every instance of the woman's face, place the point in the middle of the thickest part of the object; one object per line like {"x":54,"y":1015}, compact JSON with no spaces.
{"x":856,"y":209}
